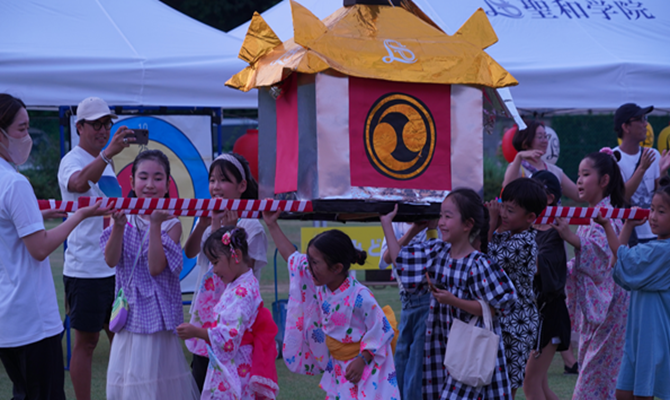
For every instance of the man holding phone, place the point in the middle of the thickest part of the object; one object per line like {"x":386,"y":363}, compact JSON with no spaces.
{"x":89,"y":282}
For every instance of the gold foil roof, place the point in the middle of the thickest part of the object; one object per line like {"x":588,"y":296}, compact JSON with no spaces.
{"x":378,"y":42}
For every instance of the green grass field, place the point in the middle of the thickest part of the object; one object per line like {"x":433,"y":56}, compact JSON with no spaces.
{"x":292,"y":386}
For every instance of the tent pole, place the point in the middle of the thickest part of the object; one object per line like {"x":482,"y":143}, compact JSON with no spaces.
{"x":219,"y":118}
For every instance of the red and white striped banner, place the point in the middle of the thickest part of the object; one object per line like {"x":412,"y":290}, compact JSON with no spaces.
{"x":182,"y":207}
{"x":583,"y":215}
{"x":253,"y":208}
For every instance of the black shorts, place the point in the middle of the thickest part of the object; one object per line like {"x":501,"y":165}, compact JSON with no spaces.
{"x":88,"y":302}
{"x":554,"y":324}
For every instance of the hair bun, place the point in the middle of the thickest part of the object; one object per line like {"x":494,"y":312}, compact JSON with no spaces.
{"x":361,"y":256}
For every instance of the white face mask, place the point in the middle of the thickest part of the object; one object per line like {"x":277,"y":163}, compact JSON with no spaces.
{"x":18,"y":149}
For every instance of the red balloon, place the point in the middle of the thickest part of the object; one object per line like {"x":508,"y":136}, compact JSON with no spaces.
{"x":508,"y":150}
{"x":247,"y":146}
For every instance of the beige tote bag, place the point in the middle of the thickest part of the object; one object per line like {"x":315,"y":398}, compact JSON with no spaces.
{"x":472,"y":351}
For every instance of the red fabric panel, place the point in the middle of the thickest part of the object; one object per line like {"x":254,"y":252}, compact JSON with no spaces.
{"x":399,"y":134}
{"x":286,"y":171}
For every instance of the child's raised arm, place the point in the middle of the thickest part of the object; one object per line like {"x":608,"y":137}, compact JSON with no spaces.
{"x":192,"y":246}
{"x":156,"y":256}
{"x":612,"y":239}
{"x":284,"y":245}
{"x":392,"y":245}
{"x":408,"y":236}
{"x":114,"y":246}
{"x":627,"y":229}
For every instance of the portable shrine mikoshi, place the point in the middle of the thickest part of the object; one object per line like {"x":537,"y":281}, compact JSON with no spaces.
{"x":371,"y":106}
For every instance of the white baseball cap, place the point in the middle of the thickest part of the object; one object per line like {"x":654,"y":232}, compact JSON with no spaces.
{"x":93,"y":108}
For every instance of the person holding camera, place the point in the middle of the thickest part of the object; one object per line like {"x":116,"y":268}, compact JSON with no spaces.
{"x":89,"y":282}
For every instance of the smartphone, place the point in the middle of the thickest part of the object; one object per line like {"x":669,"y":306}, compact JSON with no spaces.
{"x":434,"y":286}
{"x":141,"y":136}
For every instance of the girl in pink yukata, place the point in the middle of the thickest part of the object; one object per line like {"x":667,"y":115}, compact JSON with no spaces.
{"x":598,"y":307}
{"x":242,"y":352}
{"x":334,"y":325}
{"x":146,"y":360}
{"x":229,"y":178}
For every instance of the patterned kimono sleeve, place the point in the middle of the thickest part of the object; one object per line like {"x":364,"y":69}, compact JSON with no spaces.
{"x":415,"y":260}
{"x":378,"y":335}
{"x":593,"y":259}
{"x":173,"y":254}
{"x":304,"y":349}
{"x":237,"y":310}
{"x":202,"y":309}
{"x":489,"y":282}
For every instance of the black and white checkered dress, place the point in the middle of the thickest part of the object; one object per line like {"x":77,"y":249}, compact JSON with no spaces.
{"x":474,"y":276}
{"x":517,"y":255}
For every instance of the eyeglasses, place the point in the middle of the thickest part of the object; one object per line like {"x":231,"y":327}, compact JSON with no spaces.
{"x":99,"y":124}
{"x":541,"y":137}
{"x":634,"y":119}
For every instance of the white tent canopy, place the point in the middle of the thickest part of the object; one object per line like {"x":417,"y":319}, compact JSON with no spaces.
{"x":129,"y":52}
{"x":570,"y":55}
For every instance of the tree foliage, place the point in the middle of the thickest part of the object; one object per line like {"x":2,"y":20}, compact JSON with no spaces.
{"x":221,"y":14}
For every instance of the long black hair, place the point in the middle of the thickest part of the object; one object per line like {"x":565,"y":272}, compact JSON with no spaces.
{"x":154,"y":155}
{"x":471,"y":207}
{"x":606,"y":164}
{"x":228,"y":170}
{"x":337,"y":248}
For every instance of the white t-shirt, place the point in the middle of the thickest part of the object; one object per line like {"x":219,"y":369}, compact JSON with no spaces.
{"x":642,"y":196}
{"x":258,"y":248}
{"x":83,"y":257}
{"x":28,"y":305}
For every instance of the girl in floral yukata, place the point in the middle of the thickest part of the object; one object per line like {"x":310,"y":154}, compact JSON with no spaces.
{"x":229,"y":178}
{"x":462,"y":275}
{"x":242,"y":352}
{"x":146,"y":360}
{"x":334,"y":325}
{"x":598,"y":306}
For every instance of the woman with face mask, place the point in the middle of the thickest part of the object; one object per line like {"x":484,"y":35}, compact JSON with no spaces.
{"x":30,"y":324}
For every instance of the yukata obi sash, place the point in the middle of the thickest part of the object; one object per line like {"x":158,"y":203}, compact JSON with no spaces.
{"x":346,"y":351}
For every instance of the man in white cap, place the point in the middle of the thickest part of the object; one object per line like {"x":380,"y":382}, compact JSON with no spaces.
{"x":89,"y":282}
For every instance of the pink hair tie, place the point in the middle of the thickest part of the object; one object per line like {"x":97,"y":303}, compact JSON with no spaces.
{"x":607,"y":151}
{"x":226,"y":240}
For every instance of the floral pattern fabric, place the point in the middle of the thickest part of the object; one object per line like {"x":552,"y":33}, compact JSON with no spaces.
{"x":202,"y":309}
{"x":517,"y":255}
{"x":211,"y":287}
{"x":350,"y":314}
{"x":599,"y":310}
{"x":229,"y":368}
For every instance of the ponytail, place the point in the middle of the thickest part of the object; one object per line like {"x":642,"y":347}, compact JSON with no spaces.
{"x":605,"y":163}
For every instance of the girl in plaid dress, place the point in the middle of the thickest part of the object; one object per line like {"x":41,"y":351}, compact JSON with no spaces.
{"x":146,"y":360}
{"x":461,"y":274}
